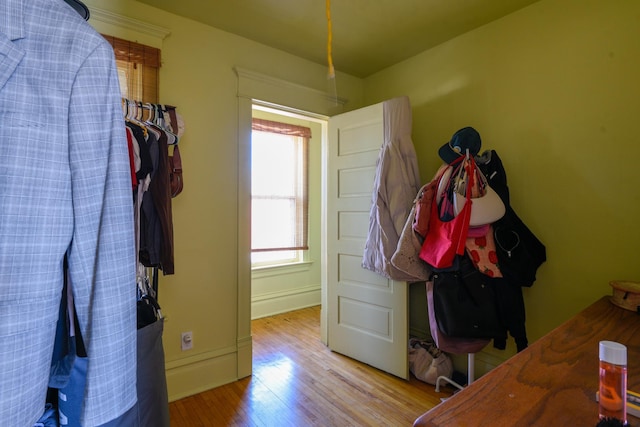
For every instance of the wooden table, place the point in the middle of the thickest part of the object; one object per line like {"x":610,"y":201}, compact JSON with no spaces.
{"x":551,"y":383}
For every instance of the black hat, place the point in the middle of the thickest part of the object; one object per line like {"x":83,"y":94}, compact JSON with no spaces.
{"x":79,"y":7}
{"x":465,"y":139}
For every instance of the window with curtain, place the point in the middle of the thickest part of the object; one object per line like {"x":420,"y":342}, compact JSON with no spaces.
{"x":138,"y":67}
{"x":279,"y":192}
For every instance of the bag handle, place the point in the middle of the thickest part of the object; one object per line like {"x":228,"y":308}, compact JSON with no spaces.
{"x":175,"y":165}
{"x":177,"y":160}
{"x":466,"y":178}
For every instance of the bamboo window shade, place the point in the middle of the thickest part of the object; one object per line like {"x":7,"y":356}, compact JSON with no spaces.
{"x":145,"y":61}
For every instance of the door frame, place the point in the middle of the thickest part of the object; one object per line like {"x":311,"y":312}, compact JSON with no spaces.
{"x":253,"y":88}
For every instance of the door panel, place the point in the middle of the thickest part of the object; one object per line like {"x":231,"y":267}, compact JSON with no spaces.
{"x":366,"y":312}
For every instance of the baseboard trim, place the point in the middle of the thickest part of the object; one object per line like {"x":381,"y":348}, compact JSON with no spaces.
{"x":272,"y":303}
{"x":245,"y":356}
{"x":208,"y":370}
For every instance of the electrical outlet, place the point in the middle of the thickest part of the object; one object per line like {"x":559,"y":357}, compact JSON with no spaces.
{"x":187,"y":340}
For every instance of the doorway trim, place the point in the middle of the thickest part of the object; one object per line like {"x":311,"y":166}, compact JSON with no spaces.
{"x":257,"y":88}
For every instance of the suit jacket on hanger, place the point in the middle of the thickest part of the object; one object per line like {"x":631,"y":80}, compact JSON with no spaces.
{"x":65,"y":187}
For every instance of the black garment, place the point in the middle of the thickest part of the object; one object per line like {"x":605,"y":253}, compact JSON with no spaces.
{"x":150,"y":225}
{"x":520,"y":254}
{"x":156,"y":221}
{"x":491,"y":166}
{"x":511,"y":313}
{"x":160,"y":189}
{"x":146,"y":164}
{"x":519,"y":251}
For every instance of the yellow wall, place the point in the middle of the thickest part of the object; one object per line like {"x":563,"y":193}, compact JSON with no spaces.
{"x":198,"y":77}
{"x":554,"y":90}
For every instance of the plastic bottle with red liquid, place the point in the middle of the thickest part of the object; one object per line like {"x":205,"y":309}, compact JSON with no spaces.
{"x":613,"y":381}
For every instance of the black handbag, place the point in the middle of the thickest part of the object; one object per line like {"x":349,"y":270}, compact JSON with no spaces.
{"x":464,"y":303}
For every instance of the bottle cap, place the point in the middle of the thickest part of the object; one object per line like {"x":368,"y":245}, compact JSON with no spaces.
{"x":613,"y":352}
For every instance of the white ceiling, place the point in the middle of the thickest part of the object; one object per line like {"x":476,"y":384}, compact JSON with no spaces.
{"x":368,"y":35}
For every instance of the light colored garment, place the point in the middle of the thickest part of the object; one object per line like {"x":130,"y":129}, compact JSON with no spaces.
{"x":65,"y":187}
{"x":406,"y":258}
{"x":396,"y":184}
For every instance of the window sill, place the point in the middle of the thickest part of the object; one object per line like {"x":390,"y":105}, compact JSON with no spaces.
{"x":280,"y":269}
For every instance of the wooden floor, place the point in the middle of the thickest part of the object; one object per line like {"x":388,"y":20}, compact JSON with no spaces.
{"x":298,"y":381}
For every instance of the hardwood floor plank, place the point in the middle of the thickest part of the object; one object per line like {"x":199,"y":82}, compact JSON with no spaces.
{"x":298,"y":381}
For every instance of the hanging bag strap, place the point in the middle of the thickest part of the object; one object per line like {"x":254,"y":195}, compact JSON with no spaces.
{"x":175,"y":172}
{"x":446,"y":238}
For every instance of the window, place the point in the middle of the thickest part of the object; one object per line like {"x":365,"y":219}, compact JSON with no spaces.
{"x":279,"y":192}
{"x":138,"y":67}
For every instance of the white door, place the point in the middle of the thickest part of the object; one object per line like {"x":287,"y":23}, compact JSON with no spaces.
{"x":366,"y":313}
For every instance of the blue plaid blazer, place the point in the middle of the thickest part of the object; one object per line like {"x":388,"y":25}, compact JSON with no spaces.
{"x":65,"y":187}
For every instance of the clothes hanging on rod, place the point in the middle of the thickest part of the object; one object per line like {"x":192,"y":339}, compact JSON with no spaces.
{"x":150,"y":134}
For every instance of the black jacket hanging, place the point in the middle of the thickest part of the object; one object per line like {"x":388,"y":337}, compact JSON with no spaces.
{"x":520,"y":252}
